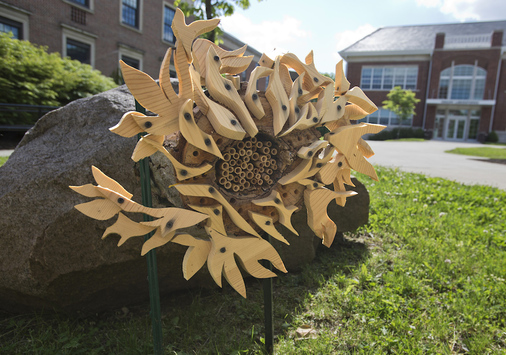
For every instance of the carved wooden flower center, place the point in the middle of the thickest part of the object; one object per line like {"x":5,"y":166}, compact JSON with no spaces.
{"x":248,"y":165}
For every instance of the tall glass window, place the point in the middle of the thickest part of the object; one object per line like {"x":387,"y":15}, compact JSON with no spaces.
{"x":168,"y":16}
{"x":462,"y":82}
{"x":10,"y":26}
{"x":130,"y":13}
{"x":79,"y":51}
{"x":385,"y":78}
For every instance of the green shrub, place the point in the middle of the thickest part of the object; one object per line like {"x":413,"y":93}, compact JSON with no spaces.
{"x":392,"y":134}
{"x":29,"y":75}
{"x":492,"y":137}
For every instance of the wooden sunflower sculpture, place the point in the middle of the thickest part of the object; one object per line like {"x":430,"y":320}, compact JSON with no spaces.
{"x":245,"y":159}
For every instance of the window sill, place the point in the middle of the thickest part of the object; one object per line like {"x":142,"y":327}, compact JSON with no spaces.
{"x":135,"y":29}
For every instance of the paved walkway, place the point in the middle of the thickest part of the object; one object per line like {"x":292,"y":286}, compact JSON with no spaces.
{"x":429,"y":158}
{"x":5,"y":153}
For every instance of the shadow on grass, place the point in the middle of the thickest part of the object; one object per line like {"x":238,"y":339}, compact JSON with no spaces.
{"x":198,"y":321}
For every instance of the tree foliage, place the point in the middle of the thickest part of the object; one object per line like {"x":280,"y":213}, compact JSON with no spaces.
{"x":401,"y":102}
{"x":30,"y":75}
{"x":209,"y":9}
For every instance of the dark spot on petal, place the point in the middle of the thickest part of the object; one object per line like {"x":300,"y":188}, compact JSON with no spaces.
{"x":254,"y":96}
{"x":211,"y":190}
{"x":216,"y":58}
{"x":183,"y":172}
{"x":207,"y":141}
{"x":228,"y":87}
{"x":267,"y":223}
{"x":148,"y":124}
{"x":121,"y":200}
{"x":315,"y":119}
{"x":284,"y":108}
{"x":277,"y":201}
{"x":340,"y":164}
{"x":169,"y":224}
{"x":187,"y":116}
{"x":222,"y":250}
{"x":216,"y":211}
{"x":234,"y":122}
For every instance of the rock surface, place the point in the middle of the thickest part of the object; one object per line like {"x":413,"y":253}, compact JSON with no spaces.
{"x":52,"y":256}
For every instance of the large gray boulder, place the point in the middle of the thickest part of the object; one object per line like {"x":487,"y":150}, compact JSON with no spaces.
{"x":52,"y":256}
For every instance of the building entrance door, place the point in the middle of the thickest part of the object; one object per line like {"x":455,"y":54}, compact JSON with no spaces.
{"x":455,"y":128}
{"x":456,"y":124}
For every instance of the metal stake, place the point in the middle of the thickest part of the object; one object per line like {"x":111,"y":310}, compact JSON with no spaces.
{"x":154,"y":292}
{"x":268,"y":308}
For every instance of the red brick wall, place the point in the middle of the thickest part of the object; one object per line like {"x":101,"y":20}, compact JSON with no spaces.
{"x":48,"y":15}
{"x":354,"y":72}
{"x":500,"y":106}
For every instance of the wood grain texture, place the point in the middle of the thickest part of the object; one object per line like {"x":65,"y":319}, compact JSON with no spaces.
{"x":346,"y":138}
{"x":203,"y":190}
{"x":357,"y":96}
{"x":251,"y":97}
{"x":183,"y":172}
{"x":249,"y":250}
{"x":196,"y":255}
{"x":215,"y":213}
{"x":223,"y":90}
{"x":284,"y":212}
{"x":316,"y":202}
{"x":278,"y":99}
{"x":223,"y":121}
{"x":313,"y":78}
{"x":187,"y":33}
{"x":341,"y":84}
{"x":267,"y":225}
{"x":193,"y":134}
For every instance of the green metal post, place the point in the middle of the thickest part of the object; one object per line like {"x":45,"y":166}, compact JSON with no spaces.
{"x":154,"y":292}
{"x":268,"y":308}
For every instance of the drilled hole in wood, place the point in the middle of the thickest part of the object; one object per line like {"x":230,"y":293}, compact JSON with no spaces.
{"x":195,"y":153}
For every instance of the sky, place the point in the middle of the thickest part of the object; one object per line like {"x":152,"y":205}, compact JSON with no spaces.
{"x":275,"y":27}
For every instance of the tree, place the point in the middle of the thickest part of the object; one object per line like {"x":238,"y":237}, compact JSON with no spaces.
{"x":30,"y":75}
{"x":207,"y":9}
{"x":402,"y":103}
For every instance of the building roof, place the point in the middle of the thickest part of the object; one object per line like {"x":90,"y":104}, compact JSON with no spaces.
{"x":421,"y":39}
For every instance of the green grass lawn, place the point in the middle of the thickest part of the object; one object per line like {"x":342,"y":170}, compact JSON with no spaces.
{"x":426,"y":276}
{"x":3,"y":160}
{"x":486,"y":152}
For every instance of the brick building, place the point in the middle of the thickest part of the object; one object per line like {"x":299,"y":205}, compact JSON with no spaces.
{"x":100,"y":33}
{"x":458,"y":71}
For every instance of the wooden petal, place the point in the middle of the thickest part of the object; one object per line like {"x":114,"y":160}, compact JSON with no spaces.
{"x":145,"y":90}
{"x":313,"y":77}
{"x":235,"y":65}
{"x":144,"y":148}
{"x":88,"y":190}
{"x":284,"y":212}
{"x":193,"y":134}
{"x":251,"y":96}
{"x":249,"y":250}
{"x":223,"y":90}
{"x":215,"y":213}
{"x":308,"y":118}
{"x":316,"y":202}
{"x":223,"y":121}
{"x":310,"y":151}
{"x":346,"y":138}
{"x":100,"y":209}
{"x":105,"y":181}
{"x":357,"y":96}
{"x":187,"y":33}
{"x":265,"y":61}
{"x":341,"y":84}
{"x":127,"y":126}
{"x":278,"y":99}
{"x":196,"y":255}
{"x":267,"y":225}
{"x":164,"y":78}
{"x":157,"y":240}
{"x":202,"y":190}
{"x":126,"y":228}
{"x":175,"y":218}
{"x":183,"y":172}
